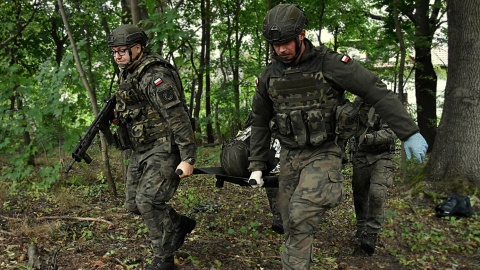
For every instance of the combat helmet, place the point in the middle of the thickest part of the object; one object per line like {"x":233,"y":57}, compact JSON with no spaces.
{"x":283,"y":23}
{"x":127,"y":34}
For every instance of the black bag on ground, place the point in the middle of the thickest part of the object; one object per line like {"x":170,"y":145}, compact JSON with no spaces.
{"x":455,"y":205}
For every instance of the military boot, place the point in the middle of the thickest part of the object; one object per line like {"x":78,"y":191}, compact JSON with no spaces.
{"x":368,"y":243}
{"x":359,"y":235}
{"x":162,"y":264}
{"x":186,"y":226}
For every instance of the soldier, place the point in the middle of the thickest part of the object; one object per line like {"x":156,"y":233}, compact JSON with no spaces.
{"x":295,"y":100}
{"x":372,"y":159}
{"x":152,"y":114}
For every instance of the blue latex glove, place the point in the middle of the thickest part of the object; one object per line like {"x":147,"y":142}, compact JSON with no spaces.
{"x":417,"y":146}
{"x":257,"y":176}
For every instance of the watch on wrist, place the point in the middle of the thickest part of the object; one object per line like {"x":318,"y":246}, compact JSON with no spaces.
{"x":190,"y":161}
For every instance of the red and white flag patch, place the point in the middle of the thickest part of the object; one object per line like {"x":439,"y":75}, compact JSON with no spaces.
{"x":345,"y":59}
{"x":158,"y":81}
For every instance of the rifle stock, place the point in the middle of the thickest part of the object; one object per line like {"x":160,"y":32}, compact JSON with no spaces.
{"x":100,"y":123}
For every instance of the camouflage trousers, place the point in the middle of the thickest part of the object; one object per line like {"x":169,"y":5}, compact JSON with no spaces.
{"x":151,"y":183}
{"x":310,"y":183}
{"x":371,"y":179}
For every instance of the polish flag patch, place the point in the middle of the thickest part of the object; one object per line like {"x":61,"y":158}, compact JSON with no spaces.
{"x":158,"y":81}
{"x":345,"y":59}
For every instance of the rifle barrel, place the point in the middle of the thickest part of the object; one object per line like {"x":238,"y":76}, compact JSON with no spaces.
{"x":69,"y":167}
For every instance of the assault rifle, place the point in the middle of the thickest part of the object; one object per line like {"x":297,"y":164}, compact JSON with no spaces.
{"x":101,"y":123}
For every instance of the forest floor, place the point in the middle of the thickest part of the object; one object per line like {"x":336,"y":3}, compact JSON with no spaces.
{"x":78,"y":225}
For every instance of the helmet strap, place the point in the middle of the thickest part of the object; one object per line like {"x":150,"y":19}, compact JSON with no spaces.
{"x":136,"y":57}
{"x":298,"y":50}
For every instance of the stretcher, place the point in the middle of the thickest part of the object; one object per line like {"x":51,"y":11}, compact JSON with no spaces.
{"x":222,"y":177}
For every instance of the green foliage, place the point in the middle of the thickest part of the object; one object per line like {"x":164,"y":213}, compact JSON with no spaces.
{"x":45,"y":109}
{"x":238,"y":229}
{"x":99,"y":188}
{"x":48,"y":176}
{"x":166,"y":30}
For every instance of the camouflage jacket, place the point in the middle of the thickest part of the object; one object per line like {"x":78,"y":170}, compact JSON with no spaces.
{"x":152,"y":104}
{"x":340,"y":72}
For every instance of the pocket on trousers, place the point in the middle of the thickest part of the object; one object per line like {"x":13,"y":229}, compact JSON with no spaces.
{"x":333,"y":191}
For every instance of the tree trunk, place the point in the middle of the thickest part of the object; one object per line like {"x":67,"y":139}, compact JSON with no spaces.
{"x":425,"y":76}
{"x":208,"y":104}
{"x":455,"y":157}
{"x":108,"y":173}
{"x":426,"y":94}
{"x":401,"y":68}
{"x":201,"y":71}
{"x":135,"y":11}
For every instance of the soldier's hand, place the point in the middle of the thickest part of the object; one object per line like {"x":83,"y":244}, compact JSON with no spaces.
{"x":255,"y":179}
{"x":115,"y":120}
{"x":184,"y":169}
{"x":417,"y":146}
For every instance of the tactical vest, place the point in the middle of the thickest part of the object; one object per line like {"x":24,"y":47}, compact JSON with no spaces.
{"x":145,"y":125}
{"x":375,"y":125}
{"x":303,"y":103}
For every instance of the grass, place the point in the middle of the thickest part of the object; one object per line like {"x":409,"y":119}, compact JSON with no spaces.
{"x":233,"y":227}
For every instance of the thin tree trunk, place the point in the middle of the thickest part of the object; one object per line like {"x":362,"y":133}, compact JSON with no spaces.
{"x":198,"y":95}
{"x":208,"y":105}
{"x":108,"y":174}
{"x":135,"y":11}
{"x":401,"y":68}
{"x":425,"y":76}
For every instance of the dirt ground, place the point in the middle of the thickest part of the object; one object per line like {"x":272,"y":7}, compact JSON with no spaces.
{"x":80,"y":226}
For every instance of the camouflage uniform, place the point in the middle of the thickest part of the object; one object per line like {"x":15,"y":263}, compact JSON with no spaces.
{"x":150,"y":104}
{"x":295,"y":104}
{"x":373,"y":169}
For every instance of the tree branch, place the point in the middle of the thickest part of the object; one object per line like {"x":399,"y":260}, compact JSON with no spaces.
{"x":110,"y":224}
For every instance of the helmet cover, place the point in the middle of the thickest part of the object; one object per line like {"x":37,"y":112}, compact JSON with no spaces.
{"x":283,"y":23}
{"x":127,"y":34}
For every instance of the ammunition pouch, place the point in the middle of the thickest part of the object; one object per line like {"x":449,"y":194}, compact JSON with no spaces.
{"x":350,"y":120}
{"x":316,"y":127}
{"x":307,"y":128}
{"x":298,"y":127}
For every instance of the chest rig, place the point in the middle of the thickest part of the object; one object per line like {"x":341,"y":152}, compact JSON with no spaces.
{"x":303,"y":103}
{"x":373,"y":146}
{"x":144,"y":124}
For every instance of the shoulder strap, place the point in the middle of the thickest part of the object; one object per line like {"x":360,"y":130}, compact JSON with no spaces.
{"x":369,"y":124}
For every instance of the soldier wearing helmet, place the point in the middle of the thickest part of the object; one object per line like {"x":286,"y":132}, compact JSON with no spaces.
{"x":295,"y":102}
{"x":283,"y":25}
{"x":153,"y":121}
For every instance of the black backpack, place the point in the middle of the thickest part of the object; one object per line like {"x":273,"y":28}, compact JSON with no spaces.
{"x":455,"y":205}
